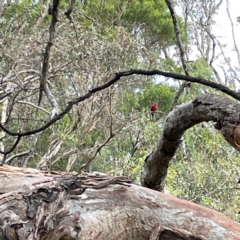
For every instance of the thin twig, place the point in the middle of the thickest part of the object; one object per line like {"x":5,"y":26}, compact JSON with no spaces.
{"x":233,"y":32}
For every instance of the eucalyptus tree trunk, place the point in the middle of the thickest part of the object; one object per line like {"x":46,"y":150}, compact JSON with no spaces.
{"x":37,"y":205}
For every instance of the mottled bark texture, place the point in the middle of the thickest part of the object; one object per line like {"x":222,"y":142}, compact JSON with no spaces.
{"x":221,"y":110}
{"x":38,"y":205}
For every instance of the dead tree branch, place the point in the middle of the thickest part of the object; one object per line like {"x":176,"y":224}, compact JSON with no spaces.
{"x":223,"y":111}
{"x":117,"y":77}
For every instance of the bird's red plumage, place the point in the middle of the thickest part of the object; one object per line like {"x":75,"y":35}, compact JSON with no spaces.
{"x":153,"y":110}
{"x":154,"y":107}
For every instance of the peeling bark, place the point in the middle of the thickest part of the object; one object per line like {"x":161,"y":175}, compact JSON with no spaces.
{"x":61,"y":206}
{"x":209,"y":107}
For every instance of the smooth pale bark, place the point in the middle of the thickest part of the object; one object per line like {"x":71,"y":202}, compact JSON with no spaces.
{"x":63,"y":206}
{"x":209,"y":107}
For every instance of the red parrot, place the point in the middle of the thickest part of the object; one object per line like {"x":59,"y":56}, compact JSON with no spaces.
{"x":153,"y":110}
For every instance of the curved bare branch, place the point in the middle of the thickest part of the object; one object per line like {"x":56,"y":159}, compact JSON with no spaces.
{"x":118,"y":76}
{"x":221,"y":110}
